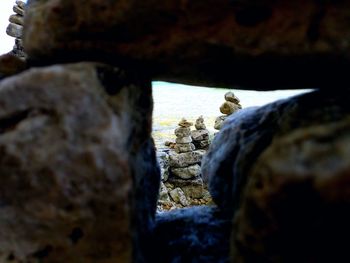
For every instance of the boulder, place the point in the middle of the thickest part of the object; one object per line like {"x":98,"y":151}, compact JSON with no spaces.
{"x":202,"y":144}
{"x":189,"y":172}
{"x":185,"y":159}
{"x":199,"y":135}
{"x":75,"y":148}
{"x":249,"y":132}
{"x":297,"y":200}
{"x":254,"y":44}
{"x":192,"y":188}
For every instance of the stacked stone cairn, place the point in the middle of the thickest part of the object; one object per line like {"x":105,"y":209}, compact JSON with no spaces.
{"x":230,"y":106}
{"x":15,"y":28}
{"x":200,"y":136}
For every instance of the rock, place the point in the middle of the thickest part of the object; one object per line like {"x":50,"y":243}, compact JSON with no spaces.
{"x":229,"y":96}
{"x":185,"y":159}
{"x":229,"y":107}
{"x":75,"y":147}
{"x":18,"y":10}
{"x":296,"y":202}
{"x":163,"y":160}
{"x":219,"y":122}
{"x":199,"y":125}
{"x":202,"y":144}
{"x":163,"y":193}
{"x":200,"y":135}
{"x":183,"y":140}
{"x":192,"y":188}
{"x":182,"y":132}
{"x":184,"y":147}
{"x":17,"y":19}
{"x":184,"y":123}
{"x":308,"y":50}
{"x":14,"y":30}
{"x":11,"y":65}
{"x":21,"y":4}
{"x":249,"y":132}
{"x":178,"y":196}
{"x":196,"y":234}
{"x":187,"y":172}
{"x":18,"y":49}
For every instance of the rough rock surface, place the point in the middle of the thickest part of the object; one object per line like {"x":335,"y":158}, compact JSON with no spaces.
{"x":297,"y":201}
{"x":178,"y":196}
{"x":197,"y":235}
{"x":185,"y":159}
{"x":247,"y":133}
{"x":184,"y":147}
{"x":255,"y":44}
{"x":192,"y":188}
{"x":11,"y":64}
{"x":187,"y":172}
{"x":75,"y":158}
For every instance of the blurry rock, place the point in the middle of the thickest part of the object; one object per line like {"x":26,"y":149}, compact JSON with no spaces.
{"x":183,"y":140}
{"x":219,"y":122}
{"x":183,"y":132}
{"x":187,"y":172}
{"x":229,"y":108}
{"x":200,"y":135}
{"x":14,"y":30}
{"x":163,"y":193}
{"x":199,"y":125}
{"x":184,"y":147}
{"x":179,"y":196}
{"x":185,"y":159}
{"x":18,"y":10}
{"x":11,"y":65}
{"x":184,"y":123}
{"x":192,"y":188}
{"x":69,"y":150}
{"x":17,"y":19}
{"x":21,"y":4}
{"x":230,"y":96}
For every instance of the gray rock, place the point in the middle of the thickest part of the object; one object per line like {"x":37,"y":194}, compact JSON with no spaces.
{"x":179,"y":196}
{"x":182,"y":132}
{"x":200,"y":135}
{"x":17,"y":19}
{"x":178,"y":160}
{"x":187,"y":139}
{"x":163,"y":193}
{"x":192,"y":188}
{"x":219,"y":122}
{"x":18,"y":10}
{"x":21,"y":4}
{"x":202,"y":144}
{"x":184,"y":147}
{"x":249,"y":132}
{"x":14,"y":30}
{"x":230,"y":96}
{"x":199,"y":125}
{"x":187,"y":172}
{"x":69,"y":152}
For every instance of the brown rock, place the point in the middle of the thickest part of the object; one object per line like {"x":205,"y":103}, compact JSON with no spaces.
{"x":264,"y":44}
{"x":230,"y":96}
{"x":296,"y":203}
{"x":21,"y":4}
{"x":185,"y":159}
{"x":18,"y":10}
{"x":10,"y":65}
{"x":14,"y":30}
{"x":74,"y":141}
{"x":184,"y":147}
{"x":17,"y":19}
{"x":184,"y":123}
{"x":183,"y":132}
{"x":183,"y":140}
{"x":229,"y":107}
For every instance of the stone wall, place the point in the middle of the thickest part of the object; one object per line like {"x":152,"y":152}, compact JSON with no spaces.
{"x":78,"y":169}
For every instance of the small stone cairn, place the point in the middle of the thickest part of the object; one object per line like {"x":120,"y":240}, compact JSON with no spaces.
{"x":230,"y":106}
{"x":15,"y":28}
{"x":200,"y":136}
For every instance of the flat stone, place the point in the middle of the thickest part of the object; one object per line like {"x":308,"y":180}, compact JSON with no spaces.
{"x":178,"y":160}
{"x":17,"y":19}
{"x":77,"y":179}
{"x":21,"y":4}
{"x":229,"y":107}
{"x":187,"y":172}
{"x":199,"y":135}
{"x":18,"y":10}
{"x":184,"y":147}
{"x":192,"y":188}
{"x":14,"y":30}
{"x":183,"y":140}
{"x":182,"y":132}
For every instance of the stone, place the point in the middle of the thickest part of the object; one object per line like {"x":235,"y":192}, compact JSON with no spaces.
{"x":14,"y":30}
{"x":192,"y":188}
{"x":229,"y":107}
{"x":199,"y":135}
{"x":196,"y":234}
{"x":202,"y":144}
{"x":163,"y":193}
{"x":75,"y":147}
{"x":183,"y":140}
{"x":183,"y":132}
{"x":219,"y":122}
{"x":308,"y":50}
{"x":163,"y":160}
{"x":21,"y":4}
{"x":189,"y":172}
{"x":184,"y":123}
{"x":250,"y":132}
{"x":199,"y":125}
{"x":178,"y":196}
{"x":18,"y":10}
{"x":17,"y":19}
{"x":184,"y":147}
{"x":10,"y":65}
{"x":230,"y":96}
{"x":185,"y":159}
{"x":296,"y":202}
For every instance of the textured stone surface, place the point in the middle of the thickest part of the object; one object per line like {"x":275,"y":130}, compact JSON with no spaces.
{"x":14,"y":30}
{"x":184,"y":147}
{"x":75,"y":158}
{"x":179,"y":196}
{"x":250,"y":131}
{"x":185,"y":159}
{"x":229,"y":107}
{"x":197,"y":235}
{"x":200,"y":135}
{"x":187,"y":172}
{"x":255,"y":44}
{"x":219,"y":121}
{"x":192,"y":188}
{"x":297,"y":201}
{"x":183,"y":140}
{"x":17,"y":19}
{"x":182,"y":132}
{"x":10,"y":65}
